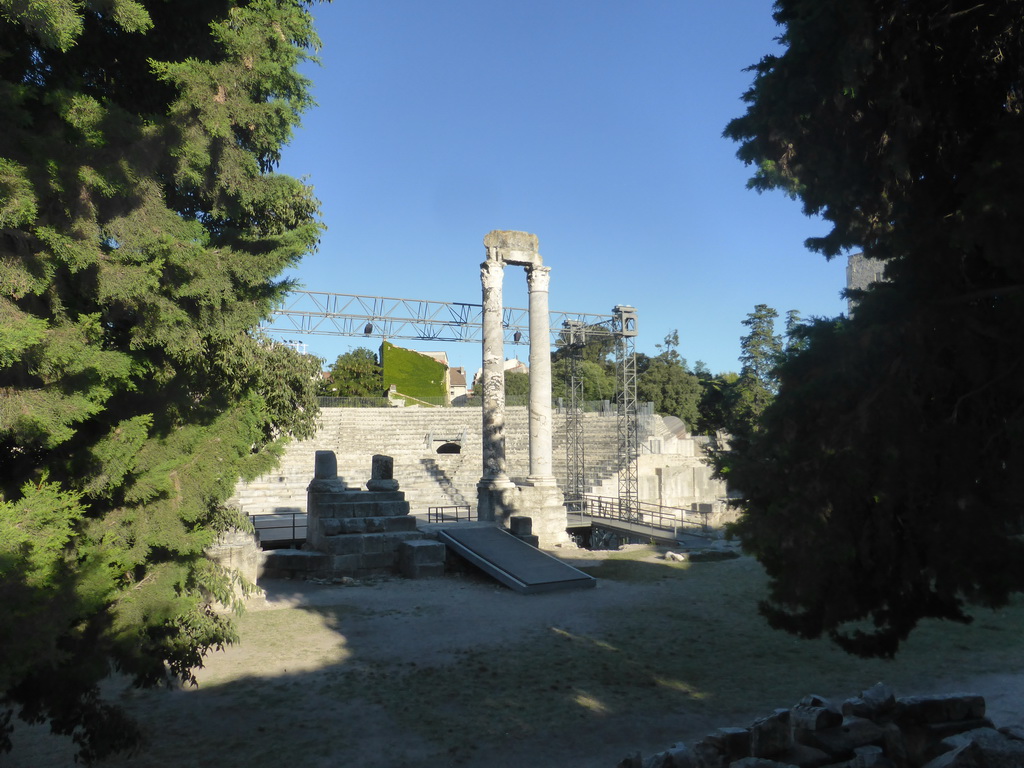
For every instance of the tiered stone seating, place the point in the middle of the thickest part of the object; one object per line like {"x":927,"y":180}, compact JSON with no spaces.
{"x":412,"y":436}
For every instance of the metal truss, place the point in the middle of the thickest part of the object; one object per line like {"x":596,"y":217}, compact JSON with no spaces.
{"x":625,"y":326}
{"x":343,"y":314}
{"x":574,"y":339}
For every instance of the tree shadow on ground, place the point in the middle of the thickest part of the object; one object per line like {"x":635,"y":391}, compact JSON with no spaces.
{"x":460,"y":671}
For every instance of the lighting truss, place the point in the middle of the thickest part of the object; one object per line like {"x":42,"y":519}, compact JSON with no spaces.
{"x":344,"y":314}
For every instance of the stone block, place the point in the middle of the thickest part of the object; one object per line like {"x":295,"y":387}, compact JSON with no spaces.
{"x":709,"y":753}
{"x":382,"y":474}
{"x":345,"y":565}
{"x":520,"y":525}
{"x":939,"y":709}
{"x":376,"y":508}
{"x":330,"y":526}
{"x":399,"y":524}
{"x":876,"y":701}
{"x":919,"y":744}
{"x":371,"y":543}
{"x":325,"y":465}
{"x":420,"y":559}
{"x":374,"y":524}
{"x":377,"y":561}
{"x":941,"y":731}
{"x":423,"y":551}
{"x":351,"y":525}
{"x":678,"y":756}
{"x":324,"y":509}
{"x":986,"y":747}
{"x":392,"y":541}
{"x":840,"y":741}
{"x":895,"y":745}
{"x":237,"y":551}
{"x":805,"y":757}
{"x":342,"y":545}
{"x":283,"y":563}
{"x":814,"y":718}
{"x":771,"y":736}
{"x":735,"y":741}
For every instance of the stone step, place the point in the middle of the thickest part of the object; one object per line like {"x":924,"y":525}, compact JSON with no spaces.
{"x":336,"y":526}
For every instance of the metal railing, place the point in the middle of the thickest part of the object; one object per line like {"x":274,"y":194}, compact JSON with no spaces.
{"x":292,"y":523}
{"x":353,"y":402}
{"x":454,"y":513}
{"x":640,"y":512}
{"x":605,"y":407}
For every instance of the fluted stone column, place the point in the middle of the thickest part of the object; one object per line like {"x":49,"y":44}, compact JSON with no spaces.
{"x":494,"y":482}
{"x":541,"y":473}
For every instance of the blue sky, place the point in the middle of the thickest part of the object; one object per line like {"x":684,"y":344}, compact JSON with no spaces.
{"x":596,"y":125}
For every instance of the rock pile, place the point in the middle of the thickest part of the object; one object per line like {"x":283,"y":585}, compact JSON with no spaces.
{"x":873,"y":730}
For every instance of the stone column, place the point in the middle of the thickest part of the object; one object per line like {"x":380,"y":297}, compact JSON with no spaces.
{"x":494,"y":481}
{"x":539,"y":497}
{"x":538,"y":278}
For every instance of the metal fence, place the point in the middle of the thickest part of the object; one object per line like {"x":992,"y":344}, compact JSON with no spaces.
{"x":640,"y":512}
{"x":454,"y":513}
{"x":558,"y":404}
{"x":353,"y":402}
{"x":279,"y":529}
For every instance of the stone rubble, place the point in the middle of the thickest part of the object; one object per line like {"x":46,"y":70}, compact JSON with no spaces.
{"x":872,"y":730}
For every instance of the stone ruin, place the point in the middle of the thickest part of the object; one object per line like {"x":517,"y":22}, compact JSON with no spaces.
{"x":355,"y":533}
{"x":873,"y":730}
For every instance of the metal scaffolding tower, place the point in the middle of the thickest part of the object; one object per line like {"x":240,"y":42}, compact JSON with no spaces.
{"x":625,"y":330}
{"x":574,"y":339}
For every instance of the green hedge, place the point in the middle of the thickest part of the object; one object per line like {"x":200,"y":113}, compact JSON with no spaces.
{"x":412,"y":373}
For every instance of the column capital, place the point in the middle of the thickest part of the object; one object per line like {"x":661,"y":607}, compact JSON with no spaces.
{"x":491,"y":273}
{"x":538,"y":278}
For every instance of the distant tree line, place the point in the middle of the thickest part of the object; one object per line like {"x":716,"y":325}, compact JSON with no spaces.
{"x":706,"y":402}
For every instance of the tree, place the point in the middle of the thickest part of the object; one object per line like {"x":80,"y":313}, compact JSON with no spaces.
{"x":517,"y":384}
{"x":594,"y":366}
{"x":355,"y":374}
{"x":715,"y":407}
{"x":141,"y":230}
{"x":884,"y":485}
{"x":598,"y":381}
{"x":665,"y":381}
{"x":760,"y":353}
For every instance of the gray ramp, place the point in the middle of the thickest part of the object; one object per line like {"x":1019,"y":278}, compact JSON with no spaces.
{"x":514,"y":563}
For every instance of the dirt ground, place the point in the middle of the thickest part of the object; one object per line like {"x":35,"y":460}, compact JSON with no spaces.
{"x":460,"y":671}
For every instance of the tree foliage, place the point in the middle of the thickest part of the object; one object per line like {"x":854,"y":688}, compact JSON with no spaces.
{"x":884,"y":485}
{"x":761,"y":352}
{"x":666,"y":381}
{"x":594,"y":365}
{"x":517,"y":384}
{"x":715,"y":409}
{"x":355,"y":374}
{"x":141,"y":230}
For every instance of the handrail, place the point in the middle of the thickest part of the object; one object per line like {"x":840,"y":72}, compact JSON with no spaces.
{"x":452,"y":513}
{"x":640,"y":512}
{"x":294,"y":524}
